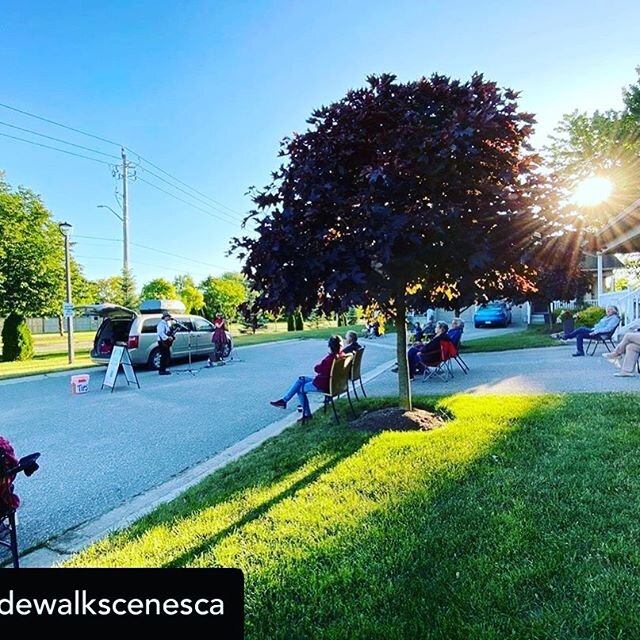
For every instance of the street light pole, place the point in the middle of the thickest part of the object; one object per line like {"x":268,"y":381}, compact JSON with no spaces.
{"x":65,"y":230}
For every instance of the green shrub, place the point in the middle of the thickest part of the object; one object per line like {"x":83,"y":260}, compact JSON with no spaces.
{"x":589,"y":316}
{"x":17,"y":343}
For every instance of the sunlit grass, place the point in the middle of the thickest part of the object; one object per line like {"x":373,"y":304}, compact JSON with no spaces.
{"x":44,"y":363}
{"x":528,"y":339}
{"x":518,"y":518}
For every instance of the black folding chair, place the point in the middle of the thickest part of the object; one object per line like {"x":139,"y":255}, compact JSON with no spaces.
{"x":595,"y":339}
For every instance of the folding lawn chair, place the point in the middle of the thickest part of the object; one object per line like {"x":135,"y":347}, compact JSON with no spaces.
{"x":339,"y":384}
{"x":442,"y":369}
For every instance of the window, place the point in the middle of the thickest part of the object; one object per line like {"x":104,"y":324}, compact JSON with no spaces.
{"x":201,"y":324}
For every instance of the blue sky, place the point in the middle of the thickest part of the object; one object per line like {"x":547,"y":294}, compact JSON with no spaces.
{"x":207,"y":89}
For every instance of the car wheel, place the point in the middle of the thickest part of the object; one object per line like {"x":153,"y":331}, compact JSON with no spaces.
{"x":476,"y":325}
{"x":226,"y":352}
{"x":154,"y":359}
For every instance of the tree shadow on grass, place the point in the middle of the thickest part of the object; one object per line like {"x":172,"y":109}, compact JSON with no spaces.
{"x":533,"y":538}
{"x":278,"y":461}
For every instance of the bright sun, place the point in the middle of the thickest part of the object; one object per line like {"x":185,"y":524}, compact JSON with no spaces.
{"x":592,"y":191}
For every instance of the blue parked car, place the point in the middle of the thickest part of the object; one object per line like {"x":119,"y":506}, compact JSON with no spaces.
{"x":492,"y":314}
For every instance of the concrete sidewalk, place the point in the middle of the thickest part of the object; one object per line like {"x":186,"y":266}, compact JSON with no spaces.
{"x":526,"y":371}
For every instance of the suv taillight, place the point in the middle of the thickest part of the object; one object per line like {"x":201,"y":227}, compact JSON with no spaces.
{"x":133,"y":342}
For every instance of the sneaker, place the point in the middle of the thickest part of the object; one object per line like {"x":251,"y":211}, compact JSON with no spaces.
{"x":394,"y":370}
{"x":281,"y":404}
{"x":609,"y":356}
{"x":577,"y":354}
{"x":624,"y":374}
{"x":208,"y":365}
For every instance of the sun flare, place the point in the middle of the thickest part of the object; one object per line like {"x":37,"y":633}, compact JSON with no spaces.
{"x":592,"y":191}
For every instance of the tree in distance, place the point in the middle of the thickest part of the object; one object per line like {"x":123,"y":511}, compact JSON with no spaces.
{"x":158,"y":289}
{"x":32,"y":271}
{"x":421,"y":192}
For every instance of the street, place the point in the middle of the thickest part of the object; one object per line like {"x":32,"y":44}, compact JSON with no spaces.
{"x":101,"y":449}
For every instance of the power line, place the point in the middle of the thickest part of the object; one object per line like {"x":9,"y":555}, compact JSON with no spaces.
{"x":137,"y":262}
{"x":42,"y":135}
{"x":64,"y":126}
{"x":143,"y":246}
{"x":209,"y":213}
{"x":91,"y":135}
{"x":224,"y":213}
{"x":47,"y":146}
{"x":155,"y":166}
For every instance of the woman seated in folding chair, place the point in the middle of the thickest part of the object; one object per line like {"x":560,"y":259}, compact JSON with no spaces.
{"x":429,"y":354}
{"x":306,"y":384}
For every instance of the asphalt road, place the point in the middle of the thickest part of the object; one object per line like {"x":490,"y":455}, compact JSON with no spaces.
{"x":101,"y":449}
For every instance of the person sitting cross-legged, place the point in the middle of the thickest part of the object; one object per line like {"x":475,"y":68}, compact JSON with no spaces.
{"x":606,"y":325}
{"x":306,"y":384}
{"x":628,"y":351}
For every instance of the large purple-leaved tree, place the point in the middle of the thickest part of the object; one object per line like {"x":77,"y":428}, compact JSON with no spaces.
{"x":400,"y":193}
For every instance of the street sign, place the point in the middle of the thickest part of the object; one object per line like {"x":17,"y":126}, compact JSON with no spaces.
{"x":68,"y":309}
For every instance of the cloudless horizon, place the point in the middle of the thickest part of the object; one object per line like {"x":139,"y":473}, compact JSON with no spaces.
{"x":206,"y":90}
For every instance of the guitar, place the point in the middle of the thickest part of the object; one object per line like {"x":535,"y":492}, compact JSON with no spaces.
{"x":171,"y":335}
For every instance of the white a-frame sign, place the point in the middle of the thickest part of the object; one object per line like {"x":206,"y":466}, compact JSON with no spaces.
{"x":119,"y":358}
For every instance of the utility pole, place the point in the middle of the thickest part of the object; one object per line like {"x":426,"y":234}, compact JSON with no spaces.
{"x":125,"y":211}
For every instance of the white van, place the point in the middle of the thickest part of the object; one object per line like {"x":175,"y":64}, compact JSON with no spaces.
{"x":138,"y":332}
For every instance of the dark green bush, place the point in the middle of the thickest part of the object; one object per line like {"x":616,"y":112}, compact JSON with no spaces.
{"x":17,"y":343}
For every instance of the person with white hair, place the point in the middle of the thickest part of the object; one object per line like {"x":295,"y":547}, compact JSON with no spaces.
{"x":606,"y":325}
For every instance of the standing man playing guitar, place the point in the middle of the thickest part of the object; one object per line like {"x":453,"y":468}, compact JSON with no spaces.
{"x":165,"y":340}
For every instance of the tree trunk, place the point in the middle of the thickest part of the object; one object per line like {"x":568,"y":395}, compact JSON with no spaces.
{"x":404,"y":385}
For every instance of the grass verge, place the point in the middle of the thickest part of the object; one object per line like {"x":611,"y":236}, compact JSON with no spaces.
{"x":527,"y":339}
{"x":519,"y":518}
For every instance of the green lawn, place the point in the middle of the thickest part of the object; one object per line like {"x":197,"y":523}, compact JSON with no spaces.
{"x":268,"y":336}
{"x":527,"y":339}
{"x":520,"y":518}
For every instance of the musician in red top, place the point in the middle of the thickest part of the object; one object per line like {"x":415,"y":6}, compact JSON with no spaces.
{"x":219,"y":339}
{"x":306,"y":384}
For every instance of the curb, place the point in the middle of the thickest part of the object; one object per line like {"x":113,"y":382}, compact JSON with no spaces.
{"x":63,"y":546}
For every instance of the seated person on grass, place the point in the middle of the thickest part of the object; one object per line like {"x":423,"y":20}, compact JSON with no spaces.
{"x":608,"y":324}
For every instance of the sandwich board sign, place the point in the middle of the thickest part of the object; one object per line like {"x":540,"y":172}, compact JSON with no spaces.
{"x":119,"y":358}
